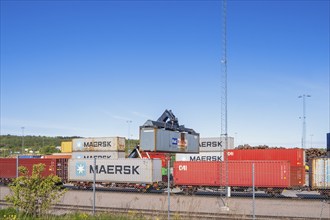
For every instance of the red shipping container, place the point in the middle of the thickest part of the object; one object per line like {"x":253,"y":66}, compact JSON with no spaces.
{"x":295,"y":156}
{"x":57,"y":156}
{"x":206,"y":173}
{"x":52,"y":166}
{"x":297,"y":176}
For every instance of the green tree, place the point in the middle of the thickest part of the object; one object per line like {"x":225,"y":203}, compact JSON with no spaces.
{"x":34,"y":194}
{"x":48,"y":150}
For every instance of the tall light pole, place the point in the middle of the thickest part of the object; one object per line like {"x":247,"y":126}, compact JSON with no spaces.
{"x":223,"y":90}
{"x":22,"y":139}
{"x":303,"y":138}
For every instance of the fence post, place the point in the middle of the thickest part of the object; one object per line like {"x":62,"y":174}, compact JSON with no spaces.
{"x":168,"y":188}
{"x":94,"y":180}
{"x":17,"y":166}
{"x":17,"y":158}
{"x":253,"y":193}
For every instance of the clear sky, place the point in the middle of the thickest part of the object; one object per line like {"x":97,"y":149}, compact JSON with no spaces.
{"x":87,"y":67}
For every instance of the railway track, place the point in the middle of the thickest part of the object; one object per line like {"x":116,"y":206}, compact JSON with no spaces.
{"x":259,"y":195}
{"x":157,"y":214}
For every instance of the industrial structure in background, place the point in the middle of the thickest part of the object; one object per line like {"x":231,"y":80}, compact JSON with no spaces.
{"x":166,"y":135}
{"x":328,"y":144}
{"x":196,"y":163}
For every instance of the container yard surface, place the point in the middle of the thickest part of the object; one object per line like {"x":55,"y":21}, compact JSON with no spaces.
{"x":285,"y":208}
{"x":267,"y":173}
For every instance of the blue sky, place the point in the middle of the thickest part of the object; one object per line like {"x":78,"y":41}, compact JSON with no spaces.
{"x":87,"y":67}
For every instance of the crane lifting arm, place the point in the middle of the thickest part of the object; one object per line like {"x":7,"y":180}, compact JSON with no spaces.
{"x":168,"y":121}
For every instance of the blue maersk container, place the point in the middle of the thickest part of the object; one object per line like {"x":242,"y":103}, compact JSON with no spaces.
{"x":29,"y":156}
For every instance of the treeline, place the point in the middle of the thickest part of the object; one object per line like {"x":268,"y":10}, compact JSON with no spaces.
{"x":13,"y":144}
{"x":12,"y":141}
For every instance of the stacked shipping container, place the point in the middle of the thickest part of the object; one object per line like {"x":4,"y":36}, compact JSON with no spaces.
{"x":210,"y":149}
{"x":111,"y":164}
{"x":320,"y":173}
{"x":101,"y":148}
{"x":296,"y":157}
{"x":267,"y":173}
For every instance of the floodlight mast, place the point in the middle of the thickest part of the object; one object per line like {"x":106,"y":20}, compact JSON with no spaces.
{"x":224,"y":128}
{"x":303,"y":137}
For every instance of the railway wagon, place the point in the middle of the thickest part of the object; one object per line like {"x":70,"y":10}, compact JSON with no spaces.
{"x":319,"y":175}
{"x":271,"y":176}
{"x":116,"y":172}
{"x":295,"y":156}
{"x":8,"y":167}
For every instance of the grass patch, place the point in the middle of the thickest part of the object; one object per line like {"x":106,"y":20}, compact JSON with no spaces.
{"x":12,"y":214}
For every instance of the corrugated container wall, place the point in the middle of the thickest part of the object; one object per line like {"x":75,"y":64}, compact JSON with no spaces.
{"x":29,"y":156}
{"x":66,"y":146}
{"x":161,"y":140}
{"x":99,"y":155}
{"x":116,"y":171}
{"x":57,"y":156}
{"x":267,"y":173}
{"x":320,"y":173}
{"x":215,"y":144}
{"x":295,"y":156}
{"x":8,"y":166}
{"x":202,"y":156}
{"x":98,"y":144}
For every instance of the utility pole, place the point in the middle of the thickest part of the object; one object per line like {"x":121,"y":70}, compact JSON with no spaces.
{"x":303,"y":138}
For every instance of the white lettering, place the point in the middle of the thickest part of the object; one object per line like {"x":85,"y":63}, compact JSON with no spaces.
{"x":183,"y":167}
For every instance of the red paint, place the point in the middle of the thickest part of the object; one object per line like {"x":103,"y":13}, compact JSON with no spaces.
{"x":52,"y":166}
{"x":267,"y":173}
{"x":154,"y":155}
{"x":57,"y":156}
{"x":295,"y":156}
{"x":297,"y":176}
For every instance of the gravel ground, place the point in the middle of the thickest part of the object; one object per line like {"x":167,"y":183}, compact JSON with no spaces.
{"x":205,"y":204}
